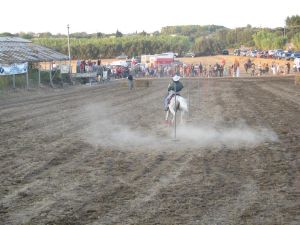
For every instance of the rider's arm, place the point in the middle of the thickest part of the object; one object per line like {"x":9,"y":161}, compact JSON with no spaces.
{"x":170,"y":87}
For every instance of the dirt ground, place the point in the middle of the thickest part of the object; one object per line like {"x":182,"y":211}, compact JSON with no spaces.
{"x":102,"y":154}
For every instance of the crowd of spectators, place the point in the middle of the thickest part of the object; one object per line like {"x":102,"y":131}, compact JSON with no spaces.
{"x":218,"y":69}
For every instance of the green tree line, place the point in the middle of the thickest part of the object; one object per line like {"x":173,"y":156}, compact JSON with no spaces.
{"x":191,"y":31}
{"x":112,"y":47}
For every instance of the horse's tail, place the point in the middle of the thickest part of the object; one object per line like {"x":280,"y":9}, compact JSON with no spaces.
{"x":183,"y":103}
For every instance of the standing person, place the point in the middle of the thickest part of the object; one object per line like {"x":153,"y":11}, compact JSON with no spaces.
{"x":200,"y":69}
{"x":259,"y":67}
{"x":174,"y":88}
{"x":297,"y":64}
{"x":277,"y":69}
{"x":221,"y":70}
{"x":236,"y":67}
{"x":193,"y":70}
{"x":253,"y":69}
{"x":130,"y":81}
{"x":78,"y":62}
{"x":230,"y":70}
{"x":225,"y":73}
{"x":273,"y":68}
{"x":288,"y":67}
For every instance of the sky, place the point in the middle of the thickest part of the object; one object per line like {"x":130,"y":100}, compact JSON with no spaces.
{"x":129,"y":16}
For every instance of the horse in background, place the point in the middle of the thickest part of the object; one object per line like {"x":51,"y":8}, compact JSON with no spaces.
{"x":177,"y":103}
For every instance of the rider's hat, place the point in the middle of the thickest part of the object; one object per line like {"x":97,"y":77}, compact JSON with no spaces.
{"x":176,"y":78}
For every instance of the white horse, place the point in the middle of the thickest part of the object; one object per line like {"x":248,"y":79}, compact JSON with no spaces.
{"x":181,"y":105}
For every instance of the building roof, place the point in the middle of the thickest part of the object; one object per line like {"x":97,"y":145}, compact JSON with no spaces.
{"x":19,"y":50}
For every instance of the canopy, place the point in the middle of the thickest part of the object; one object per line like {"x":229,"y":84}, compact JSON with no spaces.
{"x":19,"y":50}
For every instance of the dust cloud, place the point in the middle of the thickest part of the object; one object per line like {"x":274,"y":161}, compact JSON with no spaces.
{"x":106,"y":130}
{"x":238,"y":136}
{"x":110,"y":129}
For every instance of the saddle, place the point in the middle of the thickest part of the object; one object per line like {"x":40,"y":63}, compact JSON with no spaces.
{"x":169,"y":100}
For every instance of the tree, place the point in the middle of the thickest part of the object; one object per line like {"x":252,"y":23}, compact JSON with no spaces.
{"x":45,"y":35}
{"x":296,"y":41}
{"x":6,"y":34}
{"x":119,"y":34}
{"x":207,"y":46}
{"x":79,"y":35}
{"x":143,"y":33}
{"x":292,"y":21}
{"x":268,"y":40}
{"x":99,"y":35}
{"x":292,"y":26}
{"x":27,"y":35}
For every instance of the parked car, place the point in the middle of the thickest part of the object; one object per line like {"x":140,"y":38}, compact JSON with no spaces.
{"x":262,"y":54}
{"x":271,"y":53}
{"x":243,"y":52}
{"x":189,"y":54}
{"x":122,"y":56}
{"x":237,"y":52}
{"x":253,"y":53}
{"x":295,"y":55}
{"x":225,"y":52}
{"x":277,"y":54}
{"x":286,"y":55}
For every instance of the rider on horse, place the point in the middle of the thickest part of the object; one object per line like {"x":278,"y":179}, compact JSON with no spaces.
{"x":174,"y":88}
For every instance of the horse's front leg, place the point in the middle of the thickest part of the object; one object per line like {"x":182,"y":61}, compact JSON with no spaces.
{"x":167,"y":116}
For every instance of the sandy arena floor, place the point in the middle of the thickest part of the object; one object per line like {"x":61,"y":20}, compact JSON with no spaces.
{"x":102,"y":154}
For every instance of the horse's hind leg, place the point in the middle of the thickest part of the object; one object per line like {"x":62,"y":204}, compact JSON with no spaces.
{"x":167,"y":121}
{"x":182,"y":118}
{"x":173,"y":114}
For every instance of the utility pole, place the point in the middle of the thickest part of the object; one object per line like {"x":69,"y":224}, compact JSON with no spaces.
{"x":70,"y":71}
{"x":175,"y":114}
{"x":235,"y":36}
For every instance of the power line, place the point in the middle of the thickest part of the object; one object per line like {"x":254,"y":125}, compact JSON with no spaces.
{"x":69,"y":50}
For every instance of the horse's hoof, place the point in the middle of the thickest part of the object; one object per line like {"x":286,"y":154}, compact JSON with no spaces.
{"x":168,"y":122}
